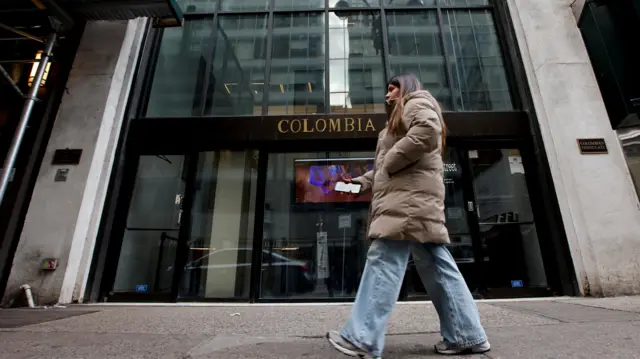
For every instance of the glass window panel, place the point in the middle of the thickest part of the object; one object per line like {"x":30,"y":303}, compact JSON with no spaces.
{"x":356,"y":71}
{"x":178,"y":81}
{"x":479,"y":75}
{"x":417,"y":3}
{"x":298,"y":4}
{"x":236,"y":83}
{"x":221,"y":226}
{"x":244,"y":5}
{"x":403,"y":3}
{"x":463,"y":2}
{"x":415,"y":47}
{"x":314,"y":237}
{"x":351,"y":4}
{"x":297,"y":65}
{"x":199,"y":5}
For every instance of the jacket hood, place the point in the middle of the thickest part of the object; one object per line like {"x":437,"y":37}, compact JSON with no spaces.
{"x":425,"y":96}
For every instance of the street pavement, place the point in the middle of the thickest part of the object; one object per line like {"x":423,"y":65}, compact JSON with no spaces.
{"x":549,"y":328}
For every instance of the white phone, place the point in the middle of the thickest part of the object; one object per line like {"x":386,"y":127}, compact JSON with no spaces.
{"x":348,"y":187}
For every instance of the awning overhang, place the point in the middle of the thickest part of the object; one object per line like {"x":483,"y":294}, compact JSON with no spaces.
{"x":62,"y":15}
{"x":123,"y":9}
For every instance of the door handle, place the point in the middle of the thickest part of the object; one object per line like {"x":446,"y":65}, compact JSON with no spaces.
{"x":470,"y":206}
{"x":179,"y":202}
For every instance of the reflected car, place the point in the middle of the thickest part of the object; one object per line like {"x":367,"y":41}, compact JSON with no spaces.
{"x":280,"y":274}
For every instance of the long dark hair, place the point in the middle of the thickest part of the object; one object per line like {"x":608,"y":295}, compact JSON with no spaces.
{"x":408,"y":83}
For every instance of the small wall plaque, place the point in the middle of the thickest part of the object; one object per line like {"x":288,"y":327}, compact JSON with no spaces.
{"x":61,"y":175}
{"x":592,"y":146}
{"x":66,"y":157}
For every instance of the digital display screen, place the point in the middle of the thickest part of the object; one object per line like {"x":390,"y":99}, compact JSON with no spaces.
{"x":316,"y":179}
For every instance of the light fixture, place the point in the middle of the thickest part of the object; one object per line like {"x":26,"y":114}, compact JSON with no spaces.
{"x":34,"y":69}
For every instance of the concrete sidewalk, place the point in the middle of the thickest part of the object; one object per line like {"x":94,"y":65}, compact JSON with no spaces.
{"x":554,"y":328}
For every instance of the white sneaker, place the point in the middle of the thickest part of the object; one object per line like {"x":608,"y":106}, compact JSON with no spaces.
{"x":446,"y":349}
{"x":345,"y":347}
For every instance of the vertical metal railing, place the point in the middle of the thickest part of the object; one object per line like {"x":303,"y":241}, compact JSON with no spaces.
{"x":30,"y":100}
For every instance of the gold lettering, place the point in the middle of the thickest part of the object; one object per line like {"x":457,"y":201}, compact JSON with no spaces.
{"x":349,"y":124}
{"x":324,"y":125}
{"x":370,"y":124}
{"x":305,"y":127}
{"x":346,"y":124}
{"x":280,"y":128}
{"x":296,"y":122}
{"x":334,"y":125}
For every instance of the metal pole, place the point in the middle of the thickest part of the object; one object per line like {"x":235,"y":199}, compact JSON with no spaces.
{"x":31,"y":98}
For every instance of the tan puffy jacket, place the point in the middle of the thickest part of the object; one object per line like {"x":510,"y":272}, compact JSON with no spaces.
{"x":407,"y":182}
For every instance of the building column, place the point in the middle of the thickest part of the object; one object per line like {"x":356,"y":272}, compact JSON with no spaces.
{"x":598,"y":203}
{"x":63,"y":217}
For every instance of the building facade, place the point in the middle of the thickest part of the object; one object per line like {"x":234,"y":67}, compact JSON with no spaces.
{"x":210,"y":153}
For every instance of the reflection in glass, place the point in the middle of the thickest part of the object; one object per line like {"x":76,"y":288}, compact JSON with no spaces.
{"x":415,"y":47}
{"x":352,"y":4}
{"x":507,"y":229}
{"x":418,"y":3}
{"x":148,"y":252}
{"x":480,"y":79}
{"x":298,"y":4}
{"x":399,"y":3}
{"x":314,"y":238}
{"x":236,"y":81}
{"x":355,"y":63}
{"x":463,"y":2}
{"x":221,"y":232}
{"x":244,"y":5}
{"x":297,"y":66}
{"x":198,"y":5}
{"x":629,"y":140}
{"x":178,"y":80}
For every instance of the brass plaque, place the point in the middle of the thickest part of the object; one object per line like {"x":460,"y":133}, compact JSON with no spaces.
{"x":592,"y":146}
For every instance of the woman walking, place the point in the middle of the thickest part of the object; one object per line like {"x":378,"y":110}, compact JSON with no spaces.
{"x":407,"y":214}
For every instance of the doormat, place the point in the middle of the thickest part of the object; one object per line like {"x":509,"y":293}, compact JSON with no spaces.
{"x":15,"y":318}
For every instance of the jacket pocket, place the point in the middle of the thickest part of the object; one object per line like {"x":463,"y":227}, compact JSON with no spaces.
{"x":391,"y":174}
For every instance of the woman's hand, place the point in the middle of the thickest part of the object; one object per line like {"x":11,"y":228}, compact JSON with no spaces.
{"x":346,"y":178}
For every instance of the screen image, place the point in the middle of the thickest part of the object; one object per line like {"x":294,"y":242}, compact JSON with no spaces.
{"x":316,"y":179}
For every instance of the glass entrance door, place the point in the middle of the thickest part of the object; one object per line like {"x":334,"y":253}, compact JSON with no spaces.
{"x":189,"y":230}
{"x":146,"y":264}
{"x":491,"y":225}
{"x":511,"y":257}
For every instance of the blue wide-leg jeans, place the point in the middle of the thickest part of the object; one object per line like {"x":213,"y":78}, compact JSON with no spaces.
{"x":380,"y":286}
